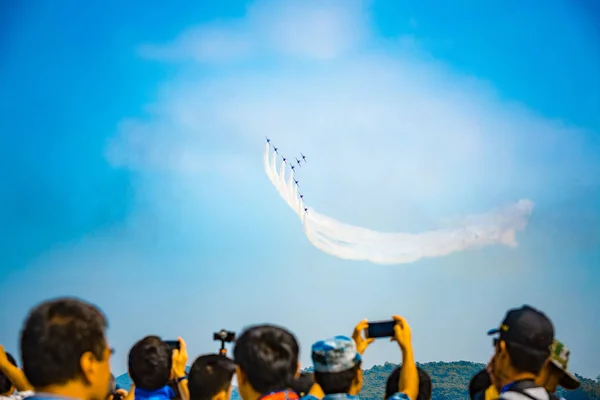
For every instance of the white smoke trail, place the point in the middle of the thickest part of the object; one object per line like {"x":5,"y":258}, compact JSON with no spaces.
{"x":355,"y":243}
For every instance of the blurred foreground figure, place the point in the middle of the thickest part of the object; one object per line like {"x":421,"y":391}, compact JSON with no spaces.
{"x":210,"y":378}
{"x":267,"y":362}
{"x":521,"y":350}
{"x":13,"y":384}
{"x":337,"y":363}
{"x":65,"y":352}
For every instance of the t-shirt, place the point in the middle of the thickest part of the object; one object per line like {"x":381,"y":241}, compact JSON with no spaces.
{"x":525,"y":390}
{"x":18,"y":395}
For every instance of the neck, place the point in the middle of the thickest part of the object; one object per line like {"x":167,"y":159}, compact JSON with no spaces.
{"x":74,"y":390}
{"x":354,"y":391}
{"x":521,"y":376}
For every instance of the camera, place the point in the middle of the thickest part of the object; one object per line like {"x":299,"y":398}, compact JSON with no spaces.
{"x":224,"y":336}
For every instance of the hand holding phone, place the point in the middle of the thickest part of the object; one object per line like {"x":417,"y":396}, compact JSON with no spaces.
{"x":380,"y":329}
{"x":173,"y":344}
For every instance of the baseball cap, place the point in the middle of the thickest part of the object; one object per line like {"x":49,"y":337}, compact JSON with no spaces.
{"x":528,"y":327}
{"x":335,"y":354}
{"x":559,"y":356}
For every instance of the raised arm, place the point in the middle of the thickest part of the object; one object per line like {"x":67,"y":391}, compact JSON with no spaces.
{"x":409,"y":377}
{"x":13,"y":373}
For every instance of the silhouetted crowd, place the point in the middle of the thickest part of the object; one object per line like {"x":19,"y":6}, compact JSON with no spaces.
{"x":65,"y":355}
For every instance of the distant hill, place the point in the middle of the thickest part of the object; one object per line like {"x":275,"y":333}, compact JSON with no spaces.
{"x":450,"y":382}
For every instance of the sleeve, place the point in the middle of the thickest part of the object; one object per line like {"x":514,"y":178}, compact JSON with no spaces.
{"x":308,"y":397}
{"x":24,"y":394}
{"x":398,"y":396}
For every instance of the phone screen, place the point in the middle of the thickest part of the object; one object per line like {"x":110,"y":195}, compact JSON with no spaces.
{"x":173,"y":344}
{"x":380,"y":329}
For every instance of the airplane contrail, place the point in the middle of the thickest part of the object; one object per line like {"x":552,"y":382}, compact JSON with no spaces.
{"x":356,"y":243}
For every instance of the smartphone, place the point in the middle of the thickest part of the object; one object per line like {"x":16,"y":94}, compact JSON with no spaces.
{"x":380,"y":329}
{"x":173,"y":344}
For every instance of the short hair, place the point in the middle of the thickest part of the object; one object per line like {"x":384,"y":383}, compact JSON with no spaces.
{"x":526,"y":359}
{"x":150,"y":363}
{"x":5,"y":383}
{"x":302,"y":384}
{"x":57,"y":333}
{"x":392,"y":384}
{"x":337,"y":382}
{"x":209,"y":375}
{"x":268,"y":356}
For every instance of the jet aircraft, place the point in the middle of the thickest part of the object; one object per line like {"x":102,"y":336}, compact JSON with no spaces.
{"x":292,"y":167}
{"x":303,"y":157}
{"x":268,"y":140}
{"x":298,"y":161}
{"x":296,"y":182}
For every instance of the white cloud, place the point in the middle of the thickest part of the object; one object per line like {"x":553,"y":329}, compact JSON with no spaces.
{"x":313,"y":29}
{"x":394,"y":137}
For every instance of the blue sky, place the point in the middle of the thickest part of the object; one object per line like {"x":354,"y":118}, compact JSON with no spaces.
{"x":131,"y":142}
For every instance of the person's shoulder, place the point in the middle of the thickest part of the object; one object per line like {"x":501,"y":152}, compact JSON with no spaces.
{"x":309,"y":397}
{"x":399,"y":396}
{"x":18,"y":395}
{"x":530,"y":393}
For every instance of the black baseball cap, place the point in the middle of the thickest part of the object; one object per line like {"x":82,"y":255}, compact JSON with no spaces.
{"x":528,"y":327}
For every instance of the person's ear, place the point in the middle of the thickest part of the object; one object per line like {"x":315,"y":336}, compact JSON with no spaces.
{"x":88,"y":364}
{"x":502,"y":346}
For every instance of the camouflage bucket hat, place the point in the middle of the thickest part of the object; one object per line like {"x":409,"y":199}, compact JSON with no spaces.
{"x":336,"y":354}
{"x":559,"y":356}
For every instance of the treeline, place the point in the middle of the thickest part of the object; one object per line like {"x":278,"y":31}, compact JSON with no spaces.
{"x":450,"y":381}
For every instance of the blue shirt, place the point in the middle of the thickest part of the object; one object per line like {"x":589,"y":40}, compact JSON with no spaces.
{"x":164,"y":393}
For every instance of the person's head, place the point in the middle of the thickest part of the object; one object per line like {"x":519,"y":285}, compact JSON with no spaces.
{"x":65,"y":351}
{"x":210,"y":377}
{"x":522,"y":345}
{"x":267,"y":360}
{"x":554,"y":373}
{"x":150,"y":363}
{"x":302,"y":384}
{"x":393,"y":381}
{"x":337,"y":365}
{"x":6,"y":386}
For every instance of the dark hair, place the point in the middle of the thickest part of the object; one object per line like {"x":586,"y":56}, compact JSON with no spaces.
{"x":268,"y":356}
{"x":302,"y":384}
{"x":481,"y":381}
{"x":526,"y":359}
{"x":5,"y":383}
{"x":209,"y":375}
{"x":392,"y":384}
{"x":150,"y":363}
{"x":337,"y":382}
{"x":55,"y":336}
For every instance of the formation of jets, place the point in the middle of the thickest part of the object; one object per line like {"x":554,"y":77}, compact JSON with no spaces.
{"x":291,"y":164}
